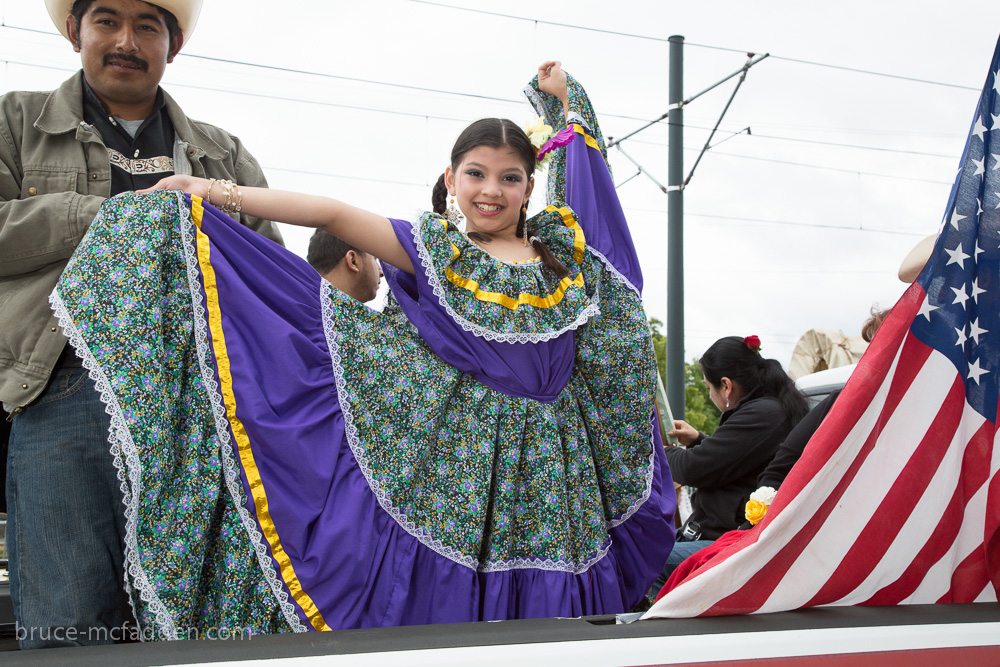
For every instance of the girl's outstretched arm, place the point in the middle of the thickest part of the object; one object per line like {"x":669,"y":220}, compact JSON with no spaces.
{"x":368,"y":231}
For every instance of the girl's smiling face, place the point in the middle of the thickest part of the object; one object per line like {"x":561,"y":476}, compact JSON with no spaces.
{"x":490,"y":186}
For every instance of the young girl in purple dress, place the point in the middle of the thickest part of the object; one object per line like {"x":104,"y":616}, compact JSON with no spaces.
{"x":484,"y":448}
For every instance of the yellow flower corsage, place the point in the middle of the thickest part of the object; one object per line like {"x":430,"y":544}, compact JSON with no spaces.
{"x":760,"y":501}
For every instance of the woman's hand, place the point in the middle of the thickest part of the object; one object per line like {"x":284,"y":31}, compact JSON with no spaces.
{"x":189,"y":184}
{"x":684,"y":432}
{"x":552,"y":80}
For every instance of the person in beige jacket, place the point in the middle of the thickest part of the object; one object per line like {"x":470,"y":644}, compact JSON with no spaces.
{"x":108,"y":129}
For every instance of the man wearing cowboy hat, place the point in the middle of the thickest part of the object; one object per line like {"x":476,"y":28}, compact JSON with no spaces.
{"x":108,"y":129}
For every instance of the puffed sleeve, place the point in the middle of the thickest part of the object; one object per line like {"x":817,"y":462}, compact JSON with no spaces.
{"x":580,"y":178}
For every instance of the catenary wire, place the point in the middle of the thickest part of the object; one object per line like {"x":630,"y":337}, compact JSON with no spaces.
{"x":286,"y":70}
{"x":617,"y":33}
{"x":285,"y":98}
{"x":743,"y":220}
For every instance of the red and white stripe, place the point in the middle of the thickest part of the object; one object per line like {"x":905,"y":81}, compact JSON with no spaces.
{"x":896,"y":499}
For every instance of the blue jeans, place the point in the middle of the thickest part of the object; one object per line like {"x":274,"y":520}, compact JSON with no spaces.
{"x":677,"y":556}
{"x":65,"y":521}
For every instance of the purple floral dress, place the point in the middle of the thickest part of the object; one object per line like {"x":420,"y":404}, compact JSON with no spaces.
{"x":484,"y":448}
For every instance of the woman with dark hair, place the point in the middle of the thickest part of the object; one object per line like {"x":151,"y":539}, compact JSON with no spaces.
{"x":483,"y":448}
{"x":788,"y":453}
{"x":759,"y":405}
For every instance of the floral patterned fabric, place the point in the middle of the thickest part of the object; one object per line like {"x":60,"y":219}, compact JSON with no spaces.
{"x":290,"y":460}
{"x":550,"y":110}
{"x":514,"y":301}
{"x":494,"y":480}
{"x":124,"y":300}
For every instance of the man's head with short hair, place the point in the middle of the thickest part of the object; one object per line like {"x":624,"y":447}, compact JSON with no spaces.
{"x":326,"y":251}
{"x":80,"y":8}
{"x":124,"y":46}
{"x":181,"y":15}
{"x":352,"y":271}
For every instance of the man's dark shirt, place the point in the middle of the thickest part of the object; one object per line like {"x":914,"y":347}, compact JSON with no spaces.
{"x":138,"y":162}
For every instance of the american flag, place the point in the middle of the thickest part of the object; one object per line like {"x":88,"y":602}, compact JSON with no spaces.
{"x":896,"y":499}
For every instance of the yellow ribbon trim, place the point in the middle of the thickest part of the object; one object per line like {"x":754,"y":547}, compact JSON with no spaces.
{"x":586,"y":137}
{"x":579,"y":244}
{"x":522,"y":298}
{"x":239,"y":432}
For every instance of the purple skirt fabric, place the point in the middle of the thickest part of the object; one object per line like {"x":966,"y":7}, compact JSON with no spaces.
{"x":484,"y":448}
{"x":352,"y":563}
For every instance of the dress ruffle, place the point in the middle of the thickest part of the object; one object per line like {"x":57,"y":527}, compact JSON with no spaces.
{"x":518,"y":302}
{"x":491,"y":480}
{"x":293,"y":460}
{"x":192,"y":556}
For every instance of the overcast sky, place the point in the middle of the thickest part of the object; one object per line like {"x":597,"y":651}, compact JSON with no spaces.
{"x":802,"y":224}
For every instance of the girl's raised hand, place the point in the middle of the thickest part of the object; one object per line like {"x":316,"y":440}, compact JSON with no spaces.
{"x":552,"y":79}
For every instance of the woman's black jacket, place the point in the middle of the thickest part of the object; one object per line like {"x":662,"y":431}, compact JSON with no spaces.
{"x":724,"y":466}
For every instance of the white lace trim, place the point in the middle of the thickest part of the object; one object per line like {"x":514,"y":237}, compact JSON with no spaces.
{"x":422,"y":535}
{"x":592,"y":310}
{"x":652,"y":441}
{"x":641,"y":500}
{"x":615,"y":272}
{"x":126,"y":460}
{"x":534,"y":99}
{"x":226,"y":447}
{"x":575,"y":117}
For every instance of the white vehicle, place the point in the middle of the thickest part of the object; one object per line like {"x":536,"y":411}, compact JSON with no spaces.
{"x":816,"y":386}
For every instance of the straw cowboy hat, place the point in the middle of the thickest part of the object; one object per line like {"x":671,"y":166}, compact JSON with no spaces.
{"x":914,"y":262}
{"x":186,"y":11}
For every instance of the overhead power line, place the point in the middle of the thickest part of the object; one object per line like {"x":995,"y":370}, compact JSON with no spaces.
{"x":882,"y":74}
{"x":324,"y":75}
{"x":743,"y":220}
{"x":826,"y":168}
{"x":881,"y":149}
{"x":286,"y":70}
{"x":266,"y":96}
{"x":686,"y":43}
{"x":867,"y":148}
{"x":455,"y":119}
{"x":290,"y":70}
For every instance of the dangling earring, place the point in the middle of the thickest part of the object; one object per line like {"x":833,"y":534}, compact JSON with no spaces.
{"x":524,"y":223}
{"x":453,"y":214}
{"x":727,"y":404}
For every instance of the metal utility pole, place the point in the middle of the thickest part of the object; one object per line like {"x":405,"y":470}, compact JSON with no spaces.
{"x":676,"y":183}
{"x":675,"y":231}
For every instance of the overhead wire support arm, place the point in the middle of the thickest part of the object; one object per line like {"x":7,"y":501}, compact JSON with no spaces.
{"x":638,"y":173}
{"x":612,"y":141}
{"x":641,"y":171}
{"x":751,"y":61}
{"x":745,"y":130}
